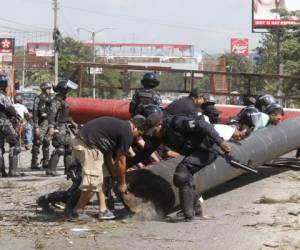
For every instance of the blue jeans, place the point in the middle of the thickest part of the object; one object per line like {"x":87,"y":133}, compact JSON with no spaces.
{"x":28,"y":134}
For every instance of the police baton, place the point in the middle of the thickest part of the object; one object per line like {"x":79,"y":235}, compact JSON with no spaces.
{"x":234,"y":163}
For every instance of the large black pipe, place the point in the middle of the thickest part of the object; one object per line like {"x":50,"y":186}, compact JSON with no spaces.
{"x":156,"y":184}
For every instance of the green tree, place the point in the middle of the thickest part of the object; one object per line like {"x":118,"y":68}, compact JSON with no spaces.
{"x":237,"y":63}
{"x":289,"y":58}
{"x":72,"y":50}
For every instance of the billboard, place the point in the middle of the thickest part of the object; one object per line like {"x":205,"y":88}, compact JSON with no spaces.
{"x":240,"y":46}
{"x":265,"y":13}
{"x":6,"y":49}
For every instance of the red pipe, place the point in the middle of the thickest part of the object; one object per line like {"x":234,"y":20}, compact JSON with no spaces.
{"x":85,"y":109}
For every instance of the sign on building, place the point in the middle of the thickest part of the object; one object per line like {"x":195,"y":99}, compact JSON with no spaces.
{"x":240,"y":46}
{"x":6,"y":49}
{"x":269,"y":13}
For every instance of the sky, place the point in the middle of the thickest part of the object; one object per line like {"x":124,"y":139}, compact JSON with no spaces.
{"x":208,"y":25}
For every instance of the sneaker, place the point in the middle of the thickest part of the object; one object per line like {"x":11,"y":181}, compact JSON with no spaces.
{"x":52,"y":173}
{"x":179,"y":214}
{"x":35,"y":167}
{"x":106,"y":215}
{"x":80,"y":216}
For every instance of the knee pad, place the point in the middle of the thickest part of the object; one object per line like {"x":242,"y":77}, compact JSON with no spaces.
{"x":59,"y":151}
{"x":16,"y":150}
{"x":37,"y":142}
{"x":12,"y":140}
{"x":182,"y":176}
{"x":58,"y":140}
{"x":46,"y":143}
{"x":56,"y":144}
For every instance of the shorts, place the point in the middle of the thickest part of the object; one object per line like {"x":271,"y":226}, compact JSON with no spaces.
{"x":93,"y":167}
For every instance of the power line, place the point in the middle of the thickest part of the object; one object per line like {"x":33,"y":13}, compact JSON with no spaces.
{"x":148,"y":20}
{"x":153,"y":21}
{"x":22,"y":24}
{"x":68,"y":24}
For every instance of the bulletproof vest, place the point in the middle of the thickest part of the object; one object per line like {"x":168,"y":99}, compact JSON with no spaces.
{"x":5,"y":104}
{"x":145,"y":96}
{"x":183,"y":142}
{"x":62,"y":116}
{"x":43,"y":107}
{"x":175,"y":139}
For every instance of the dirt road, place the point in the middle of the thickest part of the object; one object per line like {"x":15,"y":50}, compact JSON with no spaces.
{"x":250,"y":212}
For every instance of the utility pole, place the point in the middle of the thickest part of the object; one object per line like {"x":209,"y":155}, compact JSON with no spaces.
{"x":55,"y":8}
{"x":279,"y":65}
{"x":94,"y":60}
{"x":93,"y":33}
{"x":23,"y":68}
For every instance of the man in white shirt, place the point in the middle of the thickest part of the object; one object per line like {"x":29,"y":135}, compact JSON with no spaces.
{"x":23,"y":112}
{"x":235,"y":132}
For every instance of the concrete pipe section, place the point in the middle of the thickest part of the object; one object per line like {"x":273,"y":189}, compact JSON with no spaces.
{"x":156,"y":184}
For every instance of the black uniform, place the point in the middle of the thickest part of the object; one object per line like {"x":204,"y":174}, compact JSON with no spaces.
{"x":41,"y":112}
{"x":184,"y":106}
{"x":211,"y":112}
{"x":186,"y":135}
{"x":143,"y":96}
{"x":70,"y":196}
{"x":59,"y":118}
{"x":8,"y":133}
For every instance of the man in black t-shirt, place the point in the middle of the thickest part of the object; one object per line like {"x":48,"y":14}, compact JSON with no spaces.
{"x":99,"y":144}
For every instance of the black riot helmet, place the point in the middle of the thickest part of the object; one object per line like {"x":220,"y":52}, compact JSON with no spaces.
{"x":45,"y":85}
{"x":262,"y":101}
{"x":209,"y":99}
{"x":150,"y":109}
{"x":249,"y":116}
{"x":149,"y":80}
{"x":274,"y":108}
{"x":3,"y":81}
{"x":64,"y":86}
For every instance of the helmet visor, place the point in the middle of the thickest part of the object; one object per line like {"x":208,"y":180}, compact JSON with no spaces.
{"x":71,"y":85}
{"x":255,"y":118}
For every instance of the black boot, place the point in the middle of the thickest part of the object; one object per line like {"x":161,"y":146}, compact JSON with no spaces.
{"x":34,"y":165}
{"x":34,"y":158}
{"x":13,"y":165}
{"x":198,"y":207}
{"x":45,"y":160}
{"x":186,"y":196}
{"x":298,"y":153}
{"x":2,"y":167}
{"x":51,"y":170}
{"x":67,"y":162}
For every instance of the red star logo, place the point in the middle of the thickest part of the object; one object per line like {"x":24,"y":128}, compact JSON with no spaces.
{"x":6,"y":44}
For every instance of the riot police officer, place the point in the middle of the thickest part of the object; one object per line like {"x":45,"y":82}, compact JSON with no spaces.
{"x":209,"y":109}
{"x":59,"y":120}
{"x":185,"y":134}
{"x":146,"y":95}
{"x":70,"y":196}
{"x":249,"y":116}
{"x":41,"y":111}
{"x":187,"y":105}
{"x":7,"y":131}
{"x":262,"y":101}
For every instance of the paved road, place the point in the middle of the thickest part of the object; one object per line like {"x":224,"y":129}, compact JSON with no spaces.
{"x":250,"y":212}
